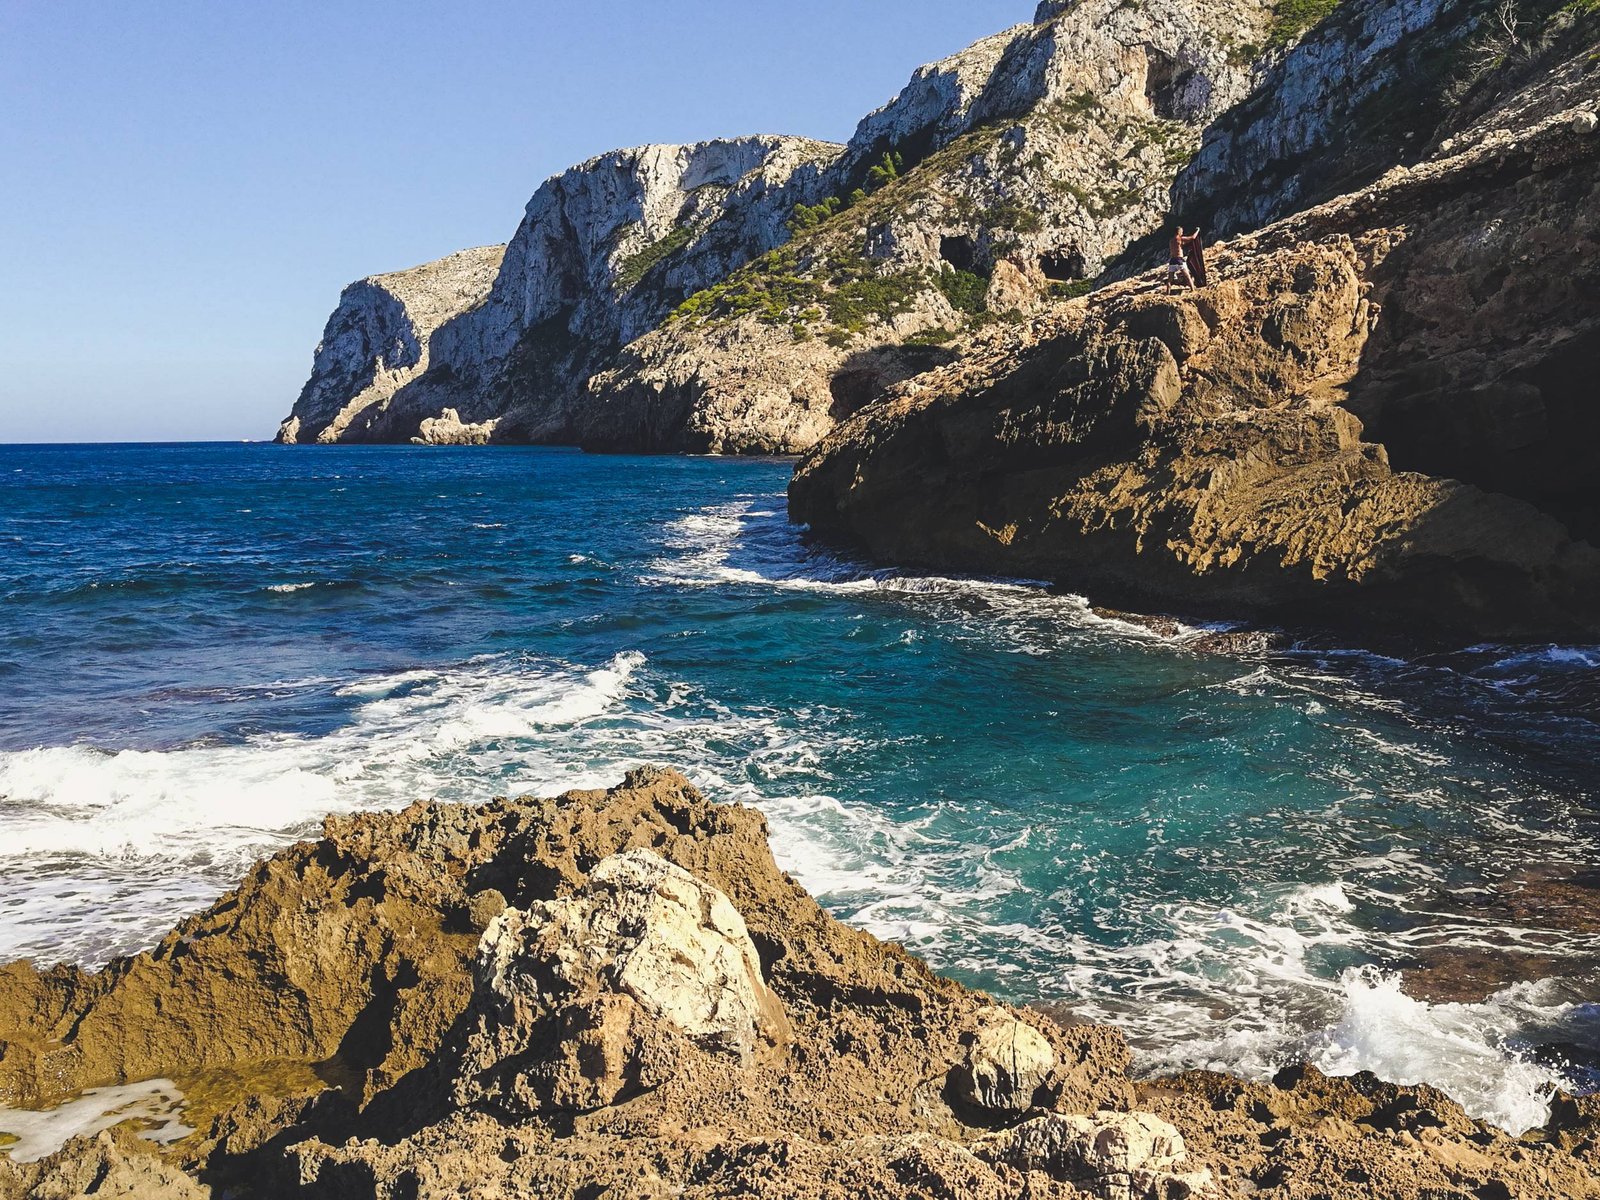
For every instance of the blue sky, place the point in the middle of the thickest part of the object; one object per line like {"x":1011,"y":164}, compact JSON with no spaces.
{"x":185,"y":187}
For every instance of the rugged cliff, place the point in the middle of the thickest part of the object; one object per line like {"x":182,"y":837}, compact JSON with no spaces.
{"x":618,"y":994}
{"x":1299,"y":438}
{"x":621,"y":317}
{"x":602,"y":252}
{"x":379,"y":340}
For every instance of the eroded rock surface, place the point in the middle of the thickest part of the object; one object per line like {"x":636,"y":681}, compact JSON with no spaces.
{"x":582,"y":999}
{"x":1206,"y":452}
{"x":517,"y":1000}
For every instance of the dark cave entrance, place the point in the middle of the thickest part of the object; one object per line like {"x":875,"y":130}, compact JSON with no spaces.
{"x":960,"y":252}
{"x":1164,"y":84}
{"x":1063,"y":266}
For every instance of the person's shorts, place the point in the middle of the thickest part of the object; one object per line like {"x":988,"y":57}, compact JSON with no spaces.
{"x":1176,"y":266}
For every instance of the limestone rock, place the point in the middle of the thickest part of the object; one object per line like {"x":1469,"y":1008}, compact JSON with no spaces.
{"x":1006,"y":1064}
{"x":1116,"y":1156}
{"x":603,"y":251}
{"x":580,"y":1000}
{"x":379,"y":339}
{"x":113,"y":1165}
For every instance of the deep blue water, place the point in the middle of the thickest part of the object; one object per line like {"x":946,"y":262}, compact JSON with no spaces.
{"x":205,"y":648}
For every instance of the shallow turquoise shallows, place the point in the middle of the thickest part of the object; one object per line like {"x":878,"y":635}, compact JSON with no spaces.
{"x":205,"y":648}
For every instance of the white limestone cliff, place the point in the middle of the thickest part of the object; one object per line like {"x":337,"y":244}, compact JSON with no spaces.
{"x":379,"y":339}
{"x":1051,"y":145}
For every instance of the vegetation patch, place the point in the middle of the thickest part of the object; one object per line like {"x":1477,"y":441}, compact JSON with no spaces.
{"x":636,"y":266}
{"x":1292,"y":18}
{"x":809,"y":216}
{"x":1070,"y":290}
{"x":964,"y":289}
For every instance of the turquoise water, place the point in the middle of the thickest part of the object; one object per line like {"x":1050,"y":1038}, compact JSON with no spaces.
{"x":205,"y":648}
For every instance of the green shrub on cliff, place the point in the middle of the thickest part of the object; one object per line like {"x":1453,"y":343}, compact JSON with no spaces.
{"x":636,"y":266}
{"x":808,"y":216}
{"x":964,"y":289}
{"x":1291,"y":19}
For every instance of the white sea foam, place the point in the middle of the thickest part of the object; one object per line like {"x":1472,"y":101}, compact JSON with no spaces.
{"x":190,"y":819}
{"x":1467,"y":1051}
{"x":143,"y":836}
{"x":156,"y":1102}
{"x":286,"y":588}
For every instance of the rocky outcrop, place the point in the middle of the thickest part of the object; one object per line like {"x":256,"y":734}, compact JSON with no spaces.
{"x":379,"y":340}
{"x":579,"y":1000}
{"x":1300,"y":439}
{"x":114,"y":1165}
{"x":619,"y":994}
{"x":1041,"y":151}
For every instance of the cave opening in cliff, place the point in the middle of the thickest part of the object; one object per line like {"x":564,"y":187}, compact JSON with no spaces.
{"x":1164,"y":84}
{"x":960,"y":252}
{"x":1063,"y":266}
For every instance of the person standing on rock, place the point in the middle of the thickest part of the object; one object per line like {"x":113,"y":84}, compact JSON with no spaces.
{"x":1178,"y":258}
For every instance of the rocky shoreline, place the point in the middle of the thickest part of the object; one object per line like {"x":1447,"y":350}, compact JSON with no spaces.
{"x":620,"y":994}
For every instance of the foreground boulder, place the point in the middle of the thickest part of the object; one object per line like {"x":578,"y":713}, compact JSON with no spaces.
{"x":1007,"y":1062}
{"x":619,"y":994}
{"x":582,"y":1000}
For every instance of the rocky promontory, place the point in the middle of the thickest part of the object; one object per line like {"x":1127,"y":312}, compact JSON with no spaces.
{"x":1373,"y":414}
{"x":743,"y":295}
{"x":619,"y":994}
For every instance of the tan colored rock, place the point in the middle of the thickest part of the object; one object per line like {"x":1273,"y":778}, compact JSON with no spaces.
{"x":1014,"y":287}
{"x":113,"y":1165}
{"x":1006,"y":1064}
{"x":1115,"y":1156}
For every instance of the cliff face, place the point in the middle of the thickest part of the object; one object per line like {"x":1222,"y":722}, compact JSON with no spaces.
{"x":618,"y":994}
{"x":602,"y":251}
{"x":1039,"y":152}
{"x":379,"y":340}
{"x":1029,"y":161}
{"x":1207,"y":453}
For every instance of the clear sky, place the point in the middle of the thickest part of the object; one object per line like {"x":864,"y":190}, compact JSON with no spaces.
{"x":185,"y":187}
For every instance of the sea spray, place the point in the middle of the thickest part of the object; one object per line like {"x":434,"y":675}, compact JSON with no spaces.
{"x":1043,"y":801}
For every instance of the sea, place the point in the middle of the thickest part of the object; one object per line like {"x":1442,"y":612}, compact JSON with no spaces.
{"x":1235,"y":858}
